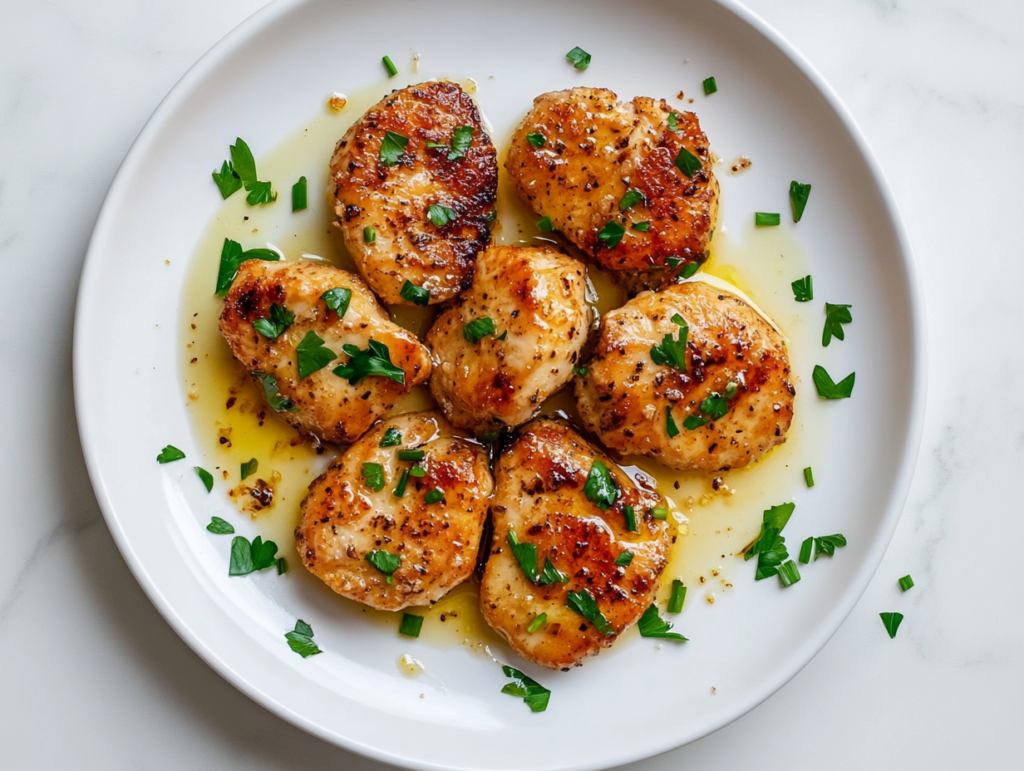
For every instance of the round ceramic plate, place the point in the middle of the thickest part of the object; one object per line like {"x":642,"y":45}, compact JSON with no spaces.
{"x":264,"y":81}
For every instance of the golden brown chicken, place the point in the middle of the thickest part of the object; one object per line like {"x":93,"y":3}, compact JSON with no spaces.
{"x":630,"y":183}
{"x":414,"y":183}
{"x":328,"y":359}
{"x":511,"y":340}
{"x":397,"y":520}
{"x":692,"y":376}
{"x":569,"y":510}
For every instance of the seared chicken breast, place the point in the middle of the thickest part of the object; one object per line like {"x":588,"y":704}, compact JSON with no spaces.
{"x":374,"y":531}
{"x":328,"y":371}
{"x":414,"y":183}
{"x":630,"y":183}
{"x":692,"y":376}
{"x":512,"y":339}
{"x":573,"y":532}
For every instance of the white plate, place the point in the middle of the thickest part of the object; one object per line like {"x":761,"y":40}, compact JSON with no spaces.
{"x":265,"y":80}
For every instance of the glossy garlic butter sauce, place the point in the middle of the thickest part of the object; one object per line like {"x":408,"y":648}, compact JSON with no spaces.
{"x":715,"y":516}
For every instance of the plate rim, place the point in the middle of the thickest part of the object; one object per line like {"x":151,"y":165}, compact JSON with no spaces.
{"x":264,"y":18}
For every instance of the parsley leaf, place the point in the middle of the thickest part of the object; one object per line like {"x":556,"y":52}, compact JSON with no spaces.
{"x":374,"y":361}
{"x":260,"y":193}
{"x":600,"y":488}
{"x":672,"y":352}
{"x":892,"y":622}
{"x":220,"y":526}
{"x":584,"y":603}
{"x":249,"y":557}
{"x":670,"y":424}
{"x":611,"y":234}
{"x":392,"y":147}
{"x":580,"y":59}
{"x":434,"y":496}
{"x":713,"y":407}
{"x":694,"y":422}
{"x":673,"y":121}
{"x":169,"y":454}
{"x":386,"y":562}
{"x":798,"y":195}
{"x":544,"y":225}
{"x":373,"y":476}
{"x":630,"y":199}
{"x":277,"y":321}
{"x":299,"y":197}
{"x":417,"y":295}
{"x":803,"y":289}
{"x":272,"y":393}
{"x":690,"y":269}
{"x":206,"y":476}
{"x":227,"y":180}
{"x":232,"y":257}
{"x":462,"y":138}
{"x":337,"y":300}
{"x":242,"y":162}
{"x":249,"y":467}
{"x":392,"y":438}
{"x":535,"y":695}
{"x":311,"y":355}
{"x":827,"y":545}
{"x":525,"y":554}
{"x":441,"y":215}
{"x":688,"y":163}
{"x":551,"y":575}
{"x":805,"y":550}
{"x":835,"y":317}
{"x":624,"y":559}
{"x":300,"y":640}
{"x":643,"y":227}
{"x":770,"y":546}
{"x":477,"y":329}
{"x":828,"y":388}
{"x":653,"y":625}
{"x":536,"y":139}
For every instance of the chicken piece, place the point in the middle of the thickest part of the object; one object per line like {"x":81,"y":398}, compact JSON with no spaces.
{"x":542,"y":496}
{"x":589,"y":152}
{"x":370,"y":543}
{"x":535,"y":297}
{"x":324,"y":403}
{"x":407,"y":193}
{"x":731,"y":404}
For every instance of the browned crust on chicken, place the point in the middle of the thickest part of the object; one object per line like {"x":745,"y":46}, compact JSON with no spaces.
{"x":596,"y":149}
{"x":343,"y":520}
{"x":625,"y":394}
{"x":329,"y":407}
{"x":539,"y":493}
{"x":395,"y":199}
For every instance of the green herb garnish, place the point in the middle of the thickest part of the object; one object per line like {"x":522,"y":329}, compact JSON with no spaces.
{"x":311,"y":355}
{"x":642,"y":227}
{"x":892,"y":622}
{"x":169,"y":454}
{"x":600,"y":488}
{"x":392,"y":438}
{"x":227,"y":180}
{"x":299,"y":201}
{"x":906,"y":582}
{"x":535,"y":695}
{"x":369,"y":234}
{"x":659,"y":512}
{"x":688,"y":163}
{"x":673,"y":121}
{"x":766,"y":219}
{"x":581,"y":371}
{"x":462,"y":138}
{"x":653,"y":625}
{"x":690,"y":269}
{"x":282,"y":566}
{"x":389,"y":65}
{"x":249,"y":557}
{"x":272,"y":393}
{"x":672,"y":352}
{"x":580,"y":59}
{"x":544,"y":225}
{"x":798,"y":195}
{"x":373,"y":476}
{"x":415,"y":294}
{"x":205,"y":476}
{"x":441,"y":215}
{"x":386,"y":562}
{"x":536,"y":139}
{"x":789,"y":574}
{"x":537,"y":623}
{"x":805,"y":550}
{"x":413,"y":455}
{"x":670,"y":423}
{"x":337,"y":300}
{"x":418,"y":472}
{"x":770,"y":546}
{"x":611,"y":234}
{"x":584,"y":603}
{"x":403,"y":483}
{"x":260,"y":193}
{"x":249,"y":467}
{"x":808,"y":477}
{"x":630,"y":514}
{"x":392,"y":147}
{"x":232,"y":257}
{"x":374,"y":361}
{"x":300,"y":640}
{"x":827,"y":545}
{"x":710,"y":86}
{"x":624,"y":559}
{"x":277,"y":321}
{"x":434,"y":496}
{"x":411,"y":625}
{"x":675,"y":601}
{"x":828,"y":388}
{"x":835,"y":317}
{"x":630,"y":199}
{"x":713,"y":407}
{"x":478,"y":329}
{"x":731,"y":389}
{"x":243,"y":163}
{"x":220,"y":526}
{"x":803,"y":289}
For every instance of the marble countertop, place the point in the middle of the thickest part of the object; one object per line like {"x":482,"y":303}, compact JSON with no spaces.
{"x":938,"y":89}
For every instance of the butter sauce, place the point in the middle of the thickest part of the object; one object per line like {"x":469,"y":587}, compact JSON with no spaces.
{"x":715,"y":516}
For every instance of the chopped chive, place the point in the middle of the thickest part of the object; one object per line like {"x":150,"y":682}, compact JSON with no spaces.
{"x":731,"y":389}
{"x":544,"y":224}
{"x":537,"y":623}
{"x":690,"y":269}
{"x":390,"y":66}
{"x":370,"y":234}
{"x":892,"y":622}
{"x":282,"y":566}
{"x":403,"y":483}
{"x":630,"y":518}
{"x":789,"y":574}
{"x":418,"y":472}
{"x":906,"y":582}
{"x":434,"y":496}
{"x":766,"y":219}
{"x":710,"y":86}
{"x":536,"y":139}
{"x":660,"y":512}
{"x":299,"y":195}
{"x":411,"y":454}
{"x":675,"y":602}
{"x":808,"y":477}
{"x":411,"y":625}
{"x":624,"y":559}
{"x":805,"y":550}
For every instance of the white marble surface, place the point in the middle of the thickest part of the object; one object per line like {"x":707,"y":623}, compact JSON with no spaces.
{"x":92,"y":677}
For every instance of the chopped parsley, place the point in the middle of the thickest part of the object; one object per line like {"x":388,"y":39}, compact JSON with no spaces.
{"x":227,"y":180}
{"x":462,"y":138}
{"x":300,"y":640}
{"x":205,"y":476}
{"x":219,"y":526}
{"x":386,"y":562}
{"x":478,"y":329}
{"x":434,"y":496}
{"x":418,"y":472}
{"x":536,"y":139}
{"x":803,"y":289}
{"x":249,"y":468}
{"x":417,"y":295}
{"x":260,"y":193}
{"x":584,"y":603}
{"x":272,"y":393}
{"x":770,"y":546}
{"x":827,"y":545}
{"x":392,"y":438}
{"x":441,"y":215}
{"x":275,"y":322}
{"x":642,"y":227}
{"x":580,"y":59}
{"x":169,"y":454}
{"x":392,"y":147}
{"x":713,"y":407}
{"x":337,"y":300}
{"x":710,"y":86}
{"x":411,"y":625}
{"x":828,"y":388}
{"x":600,"y":488}
{"x":232,"y":257}
{"x":673,"y":121}
{"x":311,"y":355}
{"x":299,"y":198}
{"x":249,"y":557}
{"x":688,"y":163}
{"x":678,"y":597}
{"x":535,"y":695}
{"x":653,"y":625}
{"x":764,"y":219}
{"x":672,"y":352}
{"x":789,"y":574}
{"x":544,"y":225}
{"x":798,"y":195}
{"x":373,"y":476}
{"x":630,"y":199}
{"x":891,"y":622}
{"x":835,"y":317}
{"x":805,"y":550}
{"x":624,"y":559}
{"x":526,"y":556}
{"x":374,"y":361}
{"x":611,"y":234}
{"x":670,"y":423}
{"x":906,"y":583}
